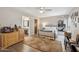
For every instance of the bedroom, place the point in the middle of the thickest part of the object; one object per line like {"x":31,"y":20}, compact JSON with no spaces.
{"x":43,"y":27}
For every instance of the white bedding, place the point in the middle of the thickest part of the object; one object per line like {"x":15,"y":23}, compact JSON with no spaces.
{"x":48,"y":31}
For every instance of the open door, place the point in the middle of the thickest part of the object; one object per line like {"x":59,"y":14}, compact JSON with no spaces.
{"x":35,"y":26}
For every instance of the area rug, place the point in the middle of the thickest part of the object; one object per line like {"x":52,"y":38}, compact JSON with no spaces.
{"x":44,"y":45}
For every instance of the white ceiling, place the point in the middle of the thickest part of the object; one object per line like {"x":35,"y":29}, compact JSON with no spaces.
{"x":35,"y":11}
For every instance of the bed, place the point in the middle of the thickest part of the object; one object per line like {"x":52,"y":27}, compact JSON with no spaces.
{"x":48,"y":33}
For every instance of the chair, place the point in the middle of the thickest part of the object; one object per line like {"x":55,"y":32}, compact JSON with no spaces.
{"x":75,"y":41}
{"x":69,"y":46}
{"x":73,"y":48}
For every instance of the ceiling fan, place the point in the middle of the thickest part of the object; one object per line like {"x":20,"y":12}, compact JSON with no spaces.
{"x":45,"y":9}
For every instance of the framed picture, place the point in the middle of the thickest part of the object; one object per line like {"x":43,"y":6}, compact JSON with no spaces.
{"x":76,"y":13}
{"x":72,"y":16}
{"x":75,"y":19}
{"x":75,"y":24}
{"x":78,"y":19}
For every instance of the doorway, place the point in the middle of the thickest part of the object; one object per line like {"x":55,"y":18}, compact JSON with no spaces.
{"x":25,"y":24}
{"x":35,"y":26}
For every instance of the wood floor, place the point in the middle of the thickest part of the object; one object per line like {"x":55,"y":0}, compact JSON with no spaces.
{"x":21,"y":47}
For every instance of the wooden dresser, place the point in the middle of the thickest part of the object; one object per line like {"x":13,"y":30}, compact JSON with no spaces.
{"x":8,"y":39}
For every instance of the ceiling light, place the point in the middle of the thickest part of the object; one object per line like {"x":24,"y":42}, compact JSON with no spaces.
{"x":42,"y":8}
{"x":41,"y":11}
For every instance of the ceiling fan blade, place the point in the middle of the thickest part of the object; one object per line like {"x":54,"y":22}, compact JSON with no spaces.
{"x":48,"y":9}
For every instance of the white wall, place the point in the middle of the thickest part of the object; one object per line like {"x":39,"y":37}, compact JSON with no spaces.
{"x":53,"y":20}
{"x":11,"y":16}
